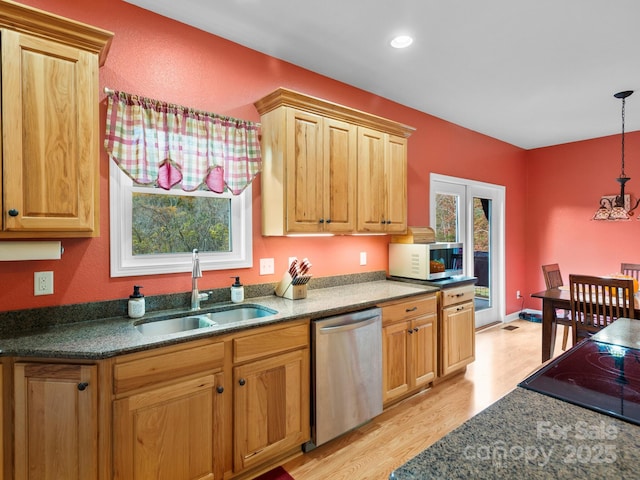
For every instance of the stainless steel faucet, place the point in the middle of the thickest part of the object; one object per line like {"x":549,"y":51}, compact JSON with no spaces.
{"x":196,"y":273}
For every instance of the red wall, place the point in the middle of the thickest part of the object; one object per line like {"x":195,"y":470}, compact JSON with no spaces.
{"x":564,"y":186}
{"x":163,"y":59}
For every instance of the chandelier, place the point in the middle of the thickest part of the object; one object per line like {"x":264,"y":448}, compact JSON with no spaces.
{"x":619,"y":207}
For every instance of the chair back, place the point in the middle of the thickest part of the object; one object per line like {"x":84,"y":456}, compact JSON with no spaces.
{"x":552,"y":276}
{"x":631,"y":269}
{"x":596,"y":302}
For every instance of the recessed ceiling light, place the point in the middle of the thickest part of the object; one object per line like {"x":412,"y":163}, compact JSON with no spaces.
{"x":401,"y":41}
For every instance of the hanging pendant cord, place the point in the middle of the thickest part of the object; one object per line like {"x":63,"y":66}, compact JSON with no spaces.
{"x":622,"y":174}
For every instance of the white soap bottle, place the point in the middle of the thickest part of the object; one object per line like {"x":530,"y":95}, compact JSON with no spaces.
{"x":237,"y":291}
{"x":136,"y":303}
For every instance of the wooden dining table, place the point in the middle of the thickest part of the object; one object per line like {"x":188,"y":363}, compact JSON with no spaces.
{"x":552,"y":299}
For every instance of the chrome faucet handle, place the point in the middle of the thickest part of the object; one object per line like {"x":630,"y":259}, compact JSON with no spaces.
{"x":196,"y":272}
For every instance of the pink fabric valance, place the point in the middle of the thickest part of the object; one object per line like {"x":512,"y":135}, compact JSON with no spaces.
{"x":165,"y":145}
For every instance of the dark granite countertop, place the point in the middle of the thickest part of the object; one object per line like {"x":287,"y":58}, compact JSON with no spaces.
{"x":104,"y":338}
{"x":527,"y":435}
{"x":451,"y":282}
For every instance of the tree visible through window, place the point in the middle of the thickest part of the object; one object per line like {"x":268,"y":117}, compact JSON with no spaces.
{"x":446,"y":218}
{"x":154,"y":231}
{"x":178,"y":224}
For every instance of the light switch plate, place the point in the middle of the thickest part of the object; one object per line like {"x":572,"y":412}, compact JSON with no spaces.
{"x":266,"y":266}
{"x":363,"y":258}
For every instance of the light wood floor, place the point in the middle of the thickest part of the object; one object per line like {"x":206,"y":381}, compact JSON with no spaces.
{"x":503,"y":358}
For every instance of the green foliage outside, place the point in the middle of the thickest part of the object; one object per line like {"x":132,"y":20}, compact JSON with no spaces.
{"x":447,"y":228}
{"x":165,"y":224}
{"x":446,"y":218}
{"x":447,"y":222}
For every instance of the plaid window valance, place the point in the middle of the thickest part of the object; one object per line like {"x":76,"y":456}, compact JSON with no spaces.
{"x":165,"y":145}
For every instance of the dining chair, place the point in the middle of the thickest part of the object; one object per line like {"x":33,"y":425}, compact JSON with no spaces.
{"x":553,"y":279}
{"x":631,"y":269}
{"x":597,"y":302}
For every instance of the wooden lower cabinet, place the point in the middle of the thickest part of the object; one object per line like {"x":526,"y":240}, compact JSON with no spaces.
{"x":271,"y":392}
{"x":217,"y":408}
{"x":56,"y":421}
{"x":271,"y":407}
{"x":457,"y":330}
{"x":170,"y":432}
{"x":409,"y":347}
{"x":168,"y":413}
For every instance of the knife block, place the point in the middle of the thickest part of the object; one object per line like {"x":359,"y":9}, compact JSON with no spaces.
{"x":295,"y":292}
{"x":286,"y":289}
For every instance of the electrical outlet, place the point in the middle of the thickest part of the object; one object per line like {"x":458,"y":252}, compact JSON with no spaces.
{"x":363,"y":258}
{"x":266,"y":266}
{"x":43,"y":283}
{"x":518,"y":294}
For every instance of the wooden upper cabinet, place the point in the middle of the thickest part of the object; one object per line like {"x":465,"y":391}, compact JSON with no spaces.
{"x":304,"y":168}
{"x":382,"y":182}
{"x":339,"y":175}
{"x":315,"y":157}
{"x":50,"y":124}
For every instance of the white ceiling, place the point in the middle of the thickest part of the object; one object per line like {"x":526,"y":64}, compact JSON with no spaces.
{"x":531,"y":73}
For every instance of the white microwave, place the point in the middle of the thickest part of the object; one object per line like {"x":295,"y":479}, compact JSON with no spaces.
{"x":426,"y":261}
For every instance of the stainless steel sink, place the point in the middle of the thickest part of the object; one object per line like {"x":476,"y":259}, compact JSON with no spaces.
{"x":195,"y":321}
{"x":236,"y":314}
{"x":173,"y":325}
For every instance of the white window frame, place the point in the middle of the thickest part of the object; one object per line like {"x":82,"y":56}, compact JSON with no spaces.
{"x":125,"y":264}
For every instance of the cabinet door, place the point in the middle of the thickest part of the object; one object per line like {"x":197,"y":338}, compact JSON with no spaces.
{"x":271,"y":407}
{"x":371,"y":181}
{"x":458,"y":337}
{"x":423,"y":350}
{"x":304,"y":172}
{"x":50,"y":146}
{"x":171,"y":433}
{"x":340,"y":149}
{"x":395,"y":380}
{"x":56,"y":421}
{"x":396,"y":184}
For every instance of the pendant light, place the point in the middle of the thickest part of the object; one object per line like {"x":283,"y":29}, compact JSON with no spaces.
{"x":615,"y":209}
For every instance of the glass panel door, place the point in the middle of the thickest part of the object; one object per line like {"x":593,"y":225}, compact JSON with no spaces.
{"x":473,"y":213}
{"x":482,"y":252}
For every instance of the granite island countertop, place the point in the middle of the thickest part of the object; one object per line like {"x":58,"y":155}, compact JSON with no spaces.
{"x":104,"y":338}
{"x":527,"y":435}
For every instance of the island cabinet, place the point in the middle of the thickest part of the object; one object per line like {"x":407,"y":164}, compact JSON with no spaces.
{"x":168,"y":413}
{"x":55,"y":421}
{"x":329,"y":168}
{"x":457,"y":346}
{"x":50,"y":124}
{"x":409,"y":346}
{"x":271,"y":377}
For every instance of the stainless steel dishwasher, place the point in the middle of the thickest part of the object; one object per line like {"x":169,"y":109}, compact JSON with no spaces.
{"x":347,"y":373}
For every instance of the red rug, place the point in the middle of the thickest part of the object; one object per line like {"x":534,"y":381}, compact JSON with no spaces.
{"x":277,"y":473}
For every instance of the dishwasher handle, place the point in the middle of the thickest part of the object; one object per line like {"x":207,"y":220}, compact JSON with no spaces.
{"x":342,"y":327}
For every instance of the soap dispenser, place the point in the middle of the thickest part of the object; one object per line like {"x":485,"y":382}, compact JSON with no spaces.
{"x":136,"y":303}
{"x":237,"y":291}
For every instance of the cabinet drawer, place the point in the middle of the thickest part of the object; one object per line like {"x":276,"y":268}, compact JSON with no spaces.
{"x":451,"y":296}
{"x":270,"y":342}
{"x":166,"y":365}
{"x":411,"y":308}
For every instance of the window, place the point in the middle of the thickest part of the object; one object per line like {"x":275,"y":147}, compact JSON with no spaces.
{"x":154,"y":231}
{"x":447,"y":214}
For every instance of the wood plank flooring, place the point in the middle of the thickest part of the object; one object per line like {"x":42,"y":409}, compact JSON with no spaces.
{"x":503,"y":358}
